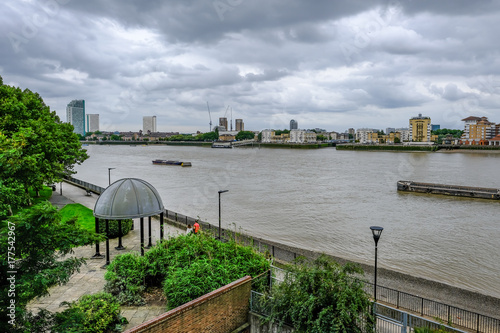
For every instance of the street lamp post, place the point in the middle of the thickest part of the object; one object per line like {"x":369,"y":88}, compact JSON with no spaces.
{"x":222,"y":191}
{"x":109,"y":175}
{"x":376,"y":231}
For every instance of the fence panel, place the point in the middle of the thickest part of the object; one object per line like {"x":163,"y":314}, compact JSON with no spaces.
{"x":385,"y":325}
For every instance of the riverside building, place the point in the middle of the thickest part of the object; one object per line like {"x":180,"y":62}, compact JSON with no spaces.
{"x":92,"y":123}
{"x":149,"y":124}
{"x":478,"y":131}
{"x":420,"y":129}
{"x":75,"y":115}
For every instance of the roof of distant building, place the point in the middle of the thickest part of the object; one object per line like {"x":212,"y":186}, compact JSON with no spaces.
{"x":496,"y":138}
{"x":471,"y":118}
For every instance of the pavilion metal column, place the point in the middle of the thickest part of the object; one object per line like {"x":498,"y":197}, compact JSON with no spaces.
{"x":142,"y":236}
{"x":120,"y":233}
{"x":97,"y":254}
{"x":149,"y":233}
{"x":161,"y":226}
{"x":107,"y":243}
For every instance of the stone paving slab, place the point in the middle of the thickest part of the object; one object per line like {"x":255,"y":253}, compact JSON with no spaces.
{"x":90,"y":278}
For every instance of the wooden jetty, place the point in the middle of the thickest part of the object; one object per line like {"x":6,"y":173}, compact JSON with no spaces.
{"x":456,"y":190}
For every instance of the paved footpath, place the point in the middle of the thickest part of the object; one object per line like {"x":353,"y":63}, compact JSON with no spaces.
{"x":90,"y":279}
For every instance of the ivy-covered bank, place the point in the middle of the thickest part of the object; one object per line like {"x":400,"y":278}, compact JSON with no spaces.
{"x":386,"y":147}
{"x":413,"y":148}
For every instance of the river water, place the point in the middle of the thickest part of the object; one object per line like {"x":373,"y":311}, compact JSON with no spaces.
{"x":326,"y":200}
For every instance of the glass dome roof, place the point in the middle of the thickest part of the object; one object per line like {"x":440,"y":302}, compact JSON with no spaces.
{"x":128,"y":198}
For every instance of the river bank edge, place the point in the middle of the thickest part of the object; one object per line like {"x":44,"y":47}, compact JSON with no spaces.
{"x":358,"y":147}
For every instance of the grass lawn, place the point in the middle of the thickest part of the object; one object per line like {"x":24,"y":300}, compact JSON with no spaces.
{"x":45,"y":194}
{"x":85,"y":216}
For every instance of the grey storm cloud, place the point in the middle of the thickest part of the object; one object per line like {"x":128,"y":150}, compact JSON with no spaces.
{"x":329,"y":64}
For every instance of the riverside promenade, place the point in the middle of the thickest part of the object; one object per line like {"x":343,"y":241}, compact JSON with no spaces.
{"x":90,"y":279}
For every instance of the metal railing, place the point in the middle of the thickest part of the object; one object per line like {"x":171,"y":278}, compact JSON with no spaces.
{"x":389,"y":320}
{"x":85,"y":185}
{"x":446,"y":313}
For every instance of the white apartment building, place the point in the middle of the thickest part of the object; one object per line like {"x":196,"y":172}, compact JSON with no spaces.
{"x":149,"y":124}
{"x":405,"y":134}
{"x":302,"y":136}
{"x":92,"y":123}
{"x":267,"y":135}
{"x":362,"y":134}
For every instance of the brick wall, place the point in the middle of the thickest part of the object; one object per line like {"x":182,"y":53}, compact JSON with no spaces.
{"x":222,"y":311}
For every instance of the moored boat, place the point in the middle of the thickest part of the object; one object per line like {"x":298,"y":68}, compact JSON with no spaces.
{"x":170,"y":162}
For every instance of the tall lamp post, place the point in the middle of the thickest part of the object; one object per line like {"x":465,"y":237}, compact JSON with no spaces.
{"x":222,"y":191}
{"x":109,"y":175}
{"x":376,"y":231}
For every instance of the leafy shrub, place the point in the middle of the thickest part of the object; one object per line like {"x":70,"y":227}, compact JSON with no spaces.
{"x":91,"y":314}
{"x":113,"y":227}
{"x":125,"y":278}
{"x":322,"y":296}
{"x":186,"y":266}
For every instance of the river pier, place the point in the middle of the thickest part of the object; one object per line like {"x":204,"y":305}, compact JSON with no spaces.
{"x":456,"y":190}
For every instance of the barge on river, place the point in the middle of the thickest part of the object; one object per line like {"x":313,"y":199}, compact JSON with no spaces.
{"x":168,"y":162}
{"x":457,"y":190}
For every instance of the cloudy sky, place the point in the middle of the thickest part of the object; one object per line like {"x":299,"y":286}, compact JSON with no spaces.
{"x":327,"y":64}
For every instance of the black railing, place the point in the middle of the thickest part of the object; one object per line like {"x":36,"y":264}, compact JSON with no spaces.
{"x":448,"y":314}
{"x":85,"y":185}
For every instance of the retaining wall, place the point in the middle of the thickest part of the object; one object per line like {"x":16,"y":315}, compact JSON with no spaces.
{"x":221,"y":311}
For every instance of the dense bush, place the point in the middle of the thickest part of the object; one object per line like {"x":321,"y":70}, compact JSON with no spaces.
{"x":321,"y":297}
{"x":125,"y":278}
{"x":385,"y":147}
{"x":91,"y":314}
{"x":186,"y":266}
{"x":113,"y":227}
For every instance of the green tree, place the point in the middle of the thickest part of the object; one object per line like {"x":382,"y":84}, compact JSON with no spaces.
{"x":321,"y":297}
{"x":35,"y":146}
{"x":279,"y":132}
{"x":210,"y":136}
{"x":115,"y":137}
{"x":397,"y":140}
{"x":245,"y":135}
{"x":41,"y":242}
{"x":321,"y":137}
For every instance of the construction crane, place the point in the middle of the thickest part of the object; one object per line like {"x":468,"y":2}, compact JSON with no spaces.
{"x":225,"y":116}
{"x":209,"y":116}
